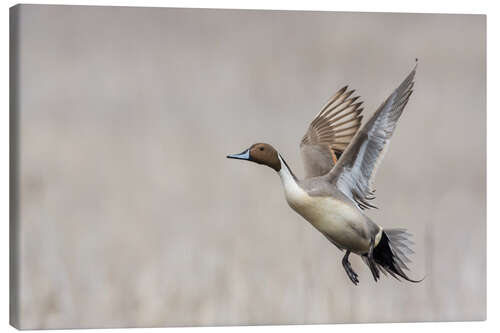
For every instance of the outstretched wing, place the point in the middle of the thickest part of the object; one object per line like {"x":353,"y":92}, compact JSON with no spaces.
{"x":330,"y":132}
{"x":355,"y":171}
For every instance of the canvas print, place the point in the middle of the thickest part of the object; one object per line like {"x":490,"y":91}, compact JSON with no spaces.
{"x":201,"y":167}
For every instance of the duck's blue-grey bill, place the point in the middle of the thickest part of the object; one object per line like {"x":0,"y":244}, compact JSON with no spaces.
{"x":241,"y":156}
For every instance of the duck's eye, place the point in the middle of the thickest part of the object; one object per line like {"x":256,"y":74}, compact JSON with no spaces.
{"x":261,"y":148}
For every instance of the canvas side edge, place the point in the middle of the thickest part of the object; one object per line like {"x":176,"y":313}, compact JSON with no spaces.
{"x":14,"y":294}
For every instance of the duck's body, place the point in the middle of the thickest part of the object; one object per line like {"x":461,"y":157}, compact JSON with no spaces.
{"x":340,"y":161}
{"x":329,"y":211}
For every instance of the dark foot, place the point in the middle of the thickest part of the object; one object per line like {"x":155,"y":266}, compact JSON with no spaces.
{"x":371,"y":262}
{"x":347,"y":266}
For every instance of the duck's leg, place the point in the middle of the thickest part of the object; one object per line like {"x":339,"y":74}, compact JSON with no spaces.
{"x":347,"y":266}
{"x":371,"y":261}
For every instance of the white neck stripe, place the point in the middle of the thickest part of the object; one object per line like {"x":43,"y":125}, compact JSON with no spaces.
{"x":286,"y":175}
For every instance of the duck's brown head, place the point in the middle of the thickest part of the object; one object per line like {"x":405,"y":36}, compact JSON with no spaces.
{"x":261,"y":153}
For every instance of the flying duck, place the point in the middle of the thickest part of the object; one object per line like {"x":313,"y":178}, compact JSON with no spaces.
{"x":340,"y":161}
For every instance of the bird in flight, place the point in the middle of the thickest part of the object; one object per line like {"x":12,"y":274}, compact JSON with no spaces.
{"x":340,"y":160}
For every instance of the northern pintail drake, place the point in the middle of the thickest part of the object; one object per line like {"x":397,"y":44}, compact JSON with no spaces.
{"x":340,"y":164}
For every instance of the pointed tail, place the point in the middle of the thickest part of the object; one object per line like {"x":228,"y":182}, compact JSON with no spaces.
{"x":392,"y":251}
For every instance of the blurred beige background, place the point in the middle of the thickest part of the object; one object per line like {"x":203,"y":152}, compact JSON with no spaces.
{"x":130,"y":214}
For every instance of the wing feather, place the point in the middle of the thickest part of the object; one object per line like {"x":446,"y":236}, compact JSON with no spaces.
{"x":354,"y":173}
{"x":330,"y":132}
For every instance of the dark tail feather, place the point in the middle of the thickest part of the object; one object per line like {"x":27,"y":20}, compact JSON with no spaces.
{"x":392,"y":251}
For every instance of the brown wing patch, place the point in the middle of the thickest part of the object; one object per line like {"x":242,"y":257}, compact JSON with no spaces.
{"x":334,"y":156}
{"x":336,"y":123}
